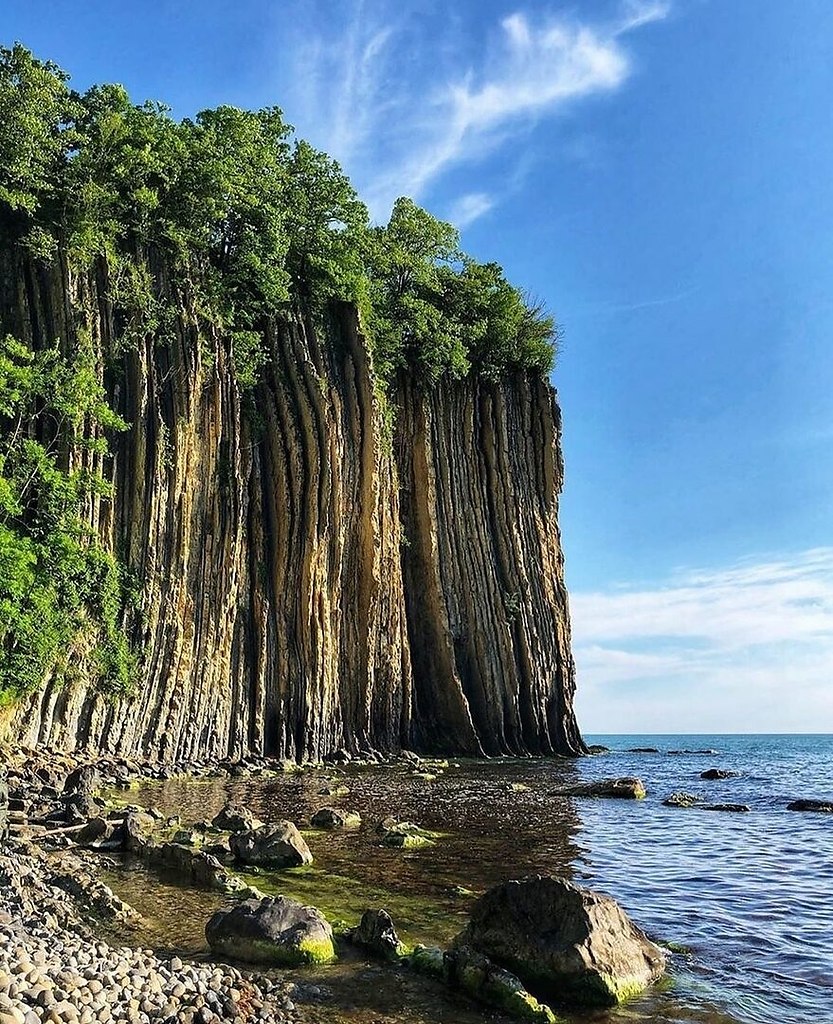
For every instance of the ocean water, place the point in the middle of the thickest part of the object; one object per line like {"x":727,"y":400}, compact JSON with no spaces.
{"x":750,"y":894}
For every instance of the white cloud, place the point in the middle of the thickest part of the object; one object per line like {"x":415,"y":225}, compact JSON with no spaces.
{"x":391,"y":104}
{"x":746,"y":647}
{"x":469,"y":207}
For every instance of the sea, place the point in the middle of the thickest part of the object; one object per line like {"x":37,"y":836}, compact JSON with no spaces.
{"x":743,"y":900}
{"x":749,"y":894}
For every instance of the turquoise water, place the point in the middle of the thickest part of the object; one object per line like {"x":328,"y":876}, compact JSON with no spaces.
{"x":751,"y":894}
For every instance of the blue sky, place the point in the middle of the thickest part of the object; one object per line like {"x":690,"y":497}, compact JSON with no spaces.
{"x":661,"y":174}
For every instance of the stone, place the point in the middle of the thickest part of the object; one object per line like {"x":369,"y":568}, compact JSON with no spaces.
{"x":376,"y":933}
{"x":271,"y":846}
{"x":682,"y":800}
{"x":272,"y":931}
{"x":732,"y":808}
{"x":334,"y":817}
{"x":564,"y":942}
{"x":818,"y":806}
{"x":96,"y":830}
{"x":136,"y":830}
{"x":718,"y":773}
{"x":236,"y":818}
{"x":484,"y":981}
{"x":625,"y":788}
{"x":598,"y":748}
{"x":83,"y":781}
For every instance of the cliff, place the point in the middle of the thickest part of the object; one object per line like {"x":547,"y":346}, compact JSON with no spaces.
{"x":311,"y":579}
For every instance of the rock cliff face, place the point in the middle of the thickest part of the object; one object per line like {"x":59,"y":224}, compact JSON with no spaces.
{"x":310,"y":579}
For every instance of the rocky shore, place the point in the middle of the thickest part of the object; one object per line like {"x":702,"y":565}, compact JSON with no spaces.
{"x":57,"y":833}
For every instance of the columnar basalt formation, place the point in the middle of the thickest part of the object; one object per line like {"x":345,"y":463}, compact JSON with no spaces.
{"x":310,"y":578}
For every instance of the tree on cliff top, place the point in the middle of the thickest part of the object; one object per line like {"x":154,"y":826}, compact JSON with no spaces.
{"x":257,"y":224}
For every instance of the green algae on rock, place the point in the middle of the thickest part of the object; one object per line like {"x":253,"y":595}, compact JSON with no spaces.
{"x":272,"y":930}
{"x":569,"y":944}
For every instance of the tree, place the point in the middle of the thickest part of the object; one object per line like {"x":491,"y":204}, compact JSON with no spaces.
{"x":34,"y":110}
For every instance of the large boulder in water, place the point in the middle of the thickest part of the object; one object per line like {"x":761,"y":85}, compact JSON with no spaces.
{"x":271,"y":931}
{"x":568,"y":945}
{"x":271,"y":846}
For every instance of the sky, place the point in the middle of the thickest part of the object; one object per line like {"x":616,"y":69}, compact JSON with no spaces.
{"x":660,"y":174}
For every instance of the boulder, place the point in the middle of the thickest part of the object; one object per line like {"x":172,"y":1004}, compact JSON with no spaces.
{"x":97,"y":830}
{"x":271,"y":931}
{"x":682,"y":800}
{"x":376,"y":933}
{"x":819,"y":806}
{"x":334,"y":817}
{"x":83,"y":781}
{"x":598,"y":748}
{"x":236,"y":818}
{"x":732,"y":808}
{"x":624,"y":789}
{"x":567,"y":944}
{"x":718,"y":773}
{"x":271,"y":846}
{"x":484,"y":981}
{"x":136,"y":830}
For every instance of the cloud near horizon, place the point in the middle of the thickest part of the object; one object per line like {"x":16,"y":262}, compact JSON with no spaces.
{"x":384,"y":93}
{"x":748,"y":647}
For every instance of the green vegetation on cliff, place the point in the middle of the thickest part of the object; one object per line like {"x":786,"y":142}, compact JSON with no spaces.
{"x":251,"y":226}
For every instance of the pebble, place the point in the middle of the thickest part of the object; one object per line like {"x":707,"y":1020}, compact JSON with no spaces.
{"x":51,"y":971}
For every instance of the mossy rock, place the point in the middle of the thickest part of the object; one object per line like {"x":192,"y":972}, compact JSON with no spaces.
{"x":272,"y":931}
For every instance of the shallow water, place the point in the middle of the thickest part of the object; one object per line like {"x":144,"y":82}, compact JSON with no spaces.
{"x":749,"y":894}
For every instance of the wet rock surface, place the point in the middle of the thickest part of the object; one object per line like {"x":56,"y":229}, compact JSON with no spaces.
{"x":623,"y":788}
{"x":817,"y":806}
{"x":275,"y":846}
{"x":376,"y":933}
{"x":272,"y":931}
{"x":568,"y":944}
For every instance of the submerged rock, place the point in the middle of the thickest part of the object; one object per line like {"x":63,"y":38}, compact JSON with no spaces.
{"x":625,"y":788}
{"x":732,"y":808}
{"x":376,"y":933}
{"x":718,"y":773}
{"x":334,"y":817}
{"x":271,"y":846}
{"x":272,"y":931}
{"x":478,"y":977}
{"x":566,"y":943}
{"x":819,"y":806}
{"x":643,"y":750}
{"x":598,"y":748}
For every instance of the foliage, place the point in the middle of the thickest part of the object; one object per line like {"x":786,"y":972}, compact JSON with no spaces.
{"x":60,"y":591}
{"x":225,"y":215}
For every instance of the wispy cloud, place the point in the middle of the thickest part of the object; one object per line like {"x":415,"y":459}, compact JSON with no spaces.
{"x":745,"y":646}
{"x":385,"y":95}
{"x":469,"y":207}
